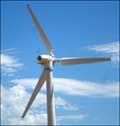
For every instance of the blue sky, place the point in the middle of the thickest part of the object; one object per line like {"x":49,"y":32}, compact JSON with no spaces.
{"x":84,"y":94}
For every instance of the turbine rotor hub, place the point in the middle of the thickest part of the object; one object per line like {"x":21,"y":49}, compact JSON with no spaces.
{"x":44,"y":59}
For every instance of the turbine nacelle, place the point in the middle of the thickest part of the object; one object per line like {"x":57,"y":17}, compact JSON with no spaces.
{"x":44,"y":59}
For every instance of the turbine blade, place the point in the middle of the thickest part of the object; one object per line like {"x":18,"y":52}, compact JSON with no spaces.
{"x":74,"y":61}
{"x":35,"y":92}
{"x":40,"y":30}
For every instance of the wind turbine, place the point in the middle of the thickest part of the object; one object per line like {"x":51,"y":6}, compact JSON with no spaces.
{"x":48,"y":61}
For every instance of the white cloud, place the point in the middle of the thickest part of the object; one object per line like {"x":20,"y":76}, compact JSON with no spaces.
{"x":71,"y":117}
{"x":61,"y":103}
{"x":9,"y":64}
{"x":30,"y":83}
{"x":26,"y":82}
{"x":111,"y":49}
{"x":8,"y":50}
{"x":13,"y":103}
{"x":76,"y":87}
{"x":86,"y":88}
